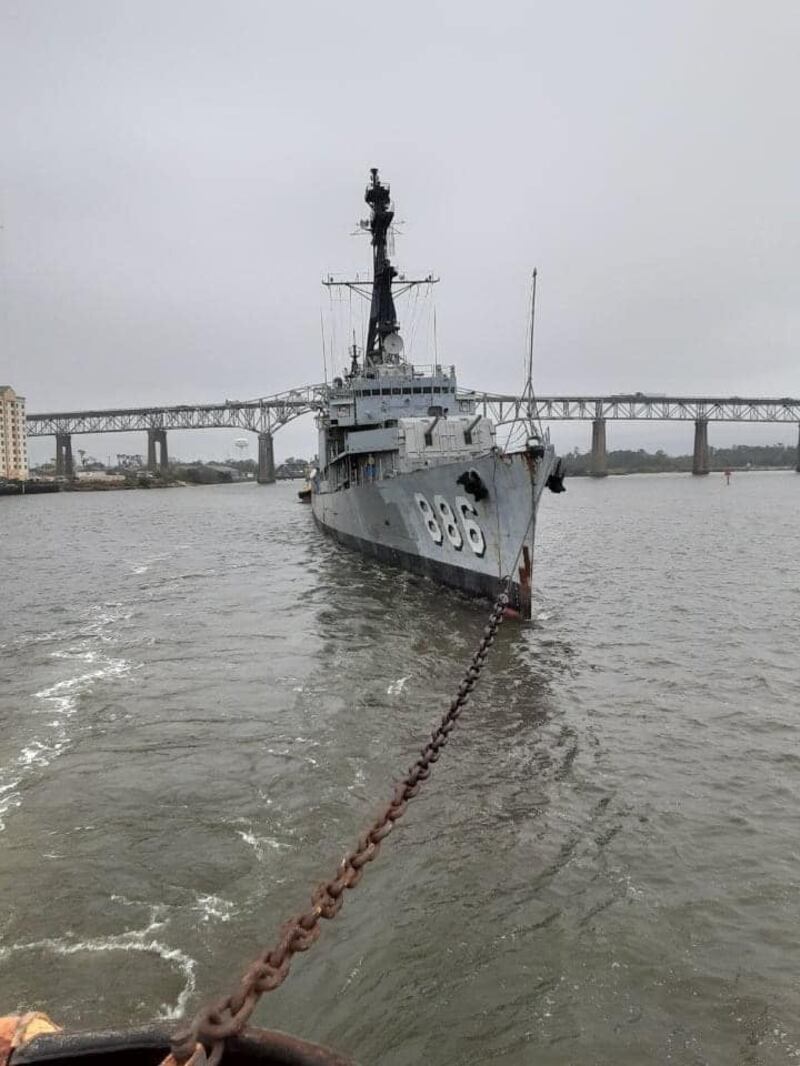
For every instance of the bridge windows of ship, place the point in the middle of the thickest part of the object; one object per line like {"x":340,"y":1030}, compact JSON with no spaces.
{"x":416,"y":390}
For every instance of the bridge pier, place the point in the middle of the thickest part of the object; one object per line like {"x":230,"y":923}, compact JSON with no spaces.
{"x":599,"y":462}
{"x":797,"y":468}
{"x":64,"y":464}
{"x":266,"y":459}
{"x":157,"y":458}
{"x":700,"y":465}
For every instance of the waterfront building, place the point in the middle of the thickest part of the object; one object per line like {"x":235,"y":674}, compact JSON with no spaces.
{"x":13,"y":440}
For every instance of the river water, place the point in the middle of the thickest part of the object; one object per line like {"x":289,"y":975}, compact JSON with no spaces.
{"x":203,"y":700}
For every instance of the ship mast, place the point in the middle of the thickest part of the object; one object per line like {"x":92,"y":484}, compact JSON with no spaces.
{"x":382,"y":314}
{"x":384,"y":344}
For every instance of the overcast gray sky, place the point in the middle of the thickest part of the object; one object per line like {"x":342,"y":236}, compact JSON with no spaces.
{"x":178,"y":175}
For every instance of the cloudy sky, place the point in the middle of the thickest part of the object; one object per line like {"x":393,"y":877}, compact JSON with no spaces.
{"x":177,"y":176}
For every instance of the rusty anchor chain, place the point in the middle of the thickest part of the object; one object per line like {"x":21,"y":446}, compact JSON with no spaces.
{"x":228,"y":1016}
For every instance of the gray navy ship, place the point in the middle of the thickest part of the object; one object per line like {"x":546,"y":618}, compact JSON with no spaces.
{"x":410,"y":472}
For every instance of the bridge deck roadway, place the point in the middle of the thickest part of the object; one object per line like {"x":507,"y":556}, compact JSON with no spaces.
{"x":269,"y":414}
{"x":257,"y":416}
{"x":645,"y":408}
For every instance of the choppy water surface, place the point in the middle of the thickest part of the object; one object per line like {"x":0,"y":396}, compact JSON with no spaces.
{"x":203,"y":700}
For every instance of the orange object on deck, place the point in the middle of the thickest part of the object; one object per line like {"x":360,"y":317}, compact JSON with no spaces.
{"x":18,"y":1029}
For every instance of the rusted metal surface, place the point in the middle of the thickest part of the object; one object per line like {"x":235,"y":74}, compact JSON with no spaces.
{"x":148,"y":1047}
{"x":227,"y":1017}
{"x":525,"y":590}
{"x":198,"y":1057}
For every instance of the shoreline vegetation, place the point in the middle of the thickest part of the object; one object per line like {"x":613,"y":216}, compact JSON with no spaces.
{"x":95,"y":477}
{"x":739,"y":458}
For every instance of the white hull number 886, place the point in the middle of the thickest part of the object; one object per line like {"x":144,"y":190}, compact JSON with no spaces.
{"x":441,"y":522}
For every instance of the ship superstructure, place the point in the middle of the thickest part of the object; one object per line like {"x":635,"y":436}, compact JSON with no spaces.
{"x":410,"y":471}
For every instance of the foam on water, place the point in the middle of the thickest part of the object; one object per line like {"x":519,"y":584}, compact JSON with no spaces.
{"x":358,"y":780}
{"x":260,"y":843}
{"x":35,"y":638}
{"x":131,"y":940}
{"x":214,"y":908}
{"x":397,"y":686}
{"x":9,"y":796}
{"x":61,"y":701}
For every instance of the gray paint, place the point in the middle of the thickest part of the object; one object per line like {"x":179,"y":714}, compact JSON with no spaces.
{"x":383,"y":519}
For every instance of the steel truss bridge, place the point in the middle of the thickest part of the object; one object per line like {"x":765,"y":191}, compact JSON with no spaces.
{"x":263,"y":416}
{"x":640,"y":407}
{"x":266,"y":415}
{"x":504,"y":409}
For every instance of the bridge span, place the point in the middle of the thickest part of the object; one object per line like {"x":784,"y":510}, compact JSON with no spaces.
{"x":265,"y":416}
{"x":650,"y":408}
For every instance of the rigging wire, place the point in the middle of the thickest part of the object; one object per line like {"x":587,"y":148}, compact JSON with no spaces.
{"x":333,"y":333}
{"x":351,"y":329}
{"x":531,"y":419}
{"x":532,"y":422}
{"x":415,"y":316}
{"x":324,"y":356}
{"x":364,"y":324}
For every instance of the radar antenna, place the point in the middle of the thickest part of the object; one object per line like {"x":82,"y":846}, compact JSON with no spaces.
{"x":384,"y":343}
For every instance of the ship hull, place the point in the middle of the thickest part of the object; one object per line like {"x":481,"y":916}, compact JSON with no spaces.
{"x":470,"y":536}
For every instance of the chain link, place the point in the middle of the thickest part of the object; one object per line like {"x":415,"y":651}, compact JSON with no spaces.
{"x":226,"y":1017}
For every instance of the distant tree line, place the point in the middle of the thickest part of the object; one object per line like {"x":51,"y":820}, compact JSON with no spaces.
{"x":200,"y":474}
{"x":739,"y":457}
{"x":244,"y":466}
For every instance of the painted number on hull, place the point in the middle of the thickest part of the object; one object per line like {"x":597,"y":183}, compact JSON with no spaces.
{"x":468,"y":514}
{"x":433,"y":526}
{"x":448,"y":520}
{"x":440,"y":521}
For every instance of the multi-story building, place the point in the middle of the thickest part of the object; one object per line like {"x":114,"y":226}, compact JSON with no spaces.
{"x":13,"y":442}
